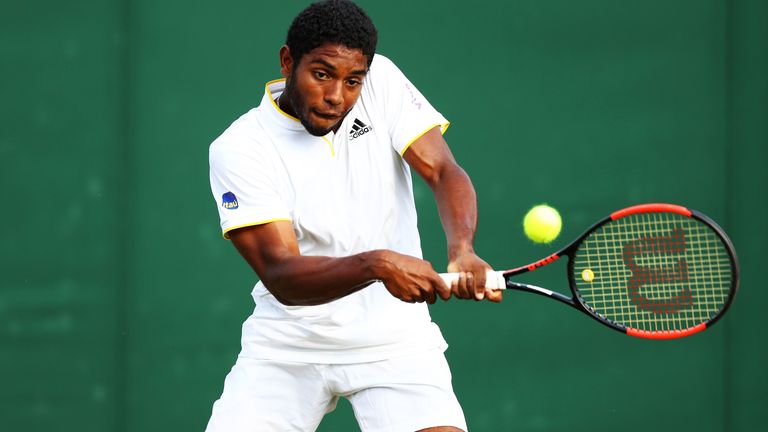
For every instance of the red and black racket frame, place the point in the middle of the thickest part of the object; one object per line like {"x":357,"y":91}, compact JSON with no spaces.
{"x":576,"y":301}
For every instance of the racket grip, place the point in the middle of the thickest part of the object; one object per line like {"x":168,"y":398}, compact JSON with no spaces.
{"x":493,"y":279}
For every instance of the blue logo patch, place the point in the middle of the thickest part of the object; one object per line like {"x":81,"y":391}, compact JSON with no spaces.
{"x":229,"y":201}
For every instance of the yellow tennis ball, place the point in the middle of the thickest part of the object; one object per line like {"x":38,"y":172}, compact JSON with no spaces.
{"x":542,"y":224}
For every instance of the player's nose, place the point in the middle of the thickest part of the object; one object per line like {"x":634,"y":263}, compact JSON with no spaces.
{"x":334,"y":94}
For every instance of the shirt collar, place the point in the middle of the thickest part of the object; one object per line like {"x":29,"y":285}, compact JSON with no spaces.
{"x":273,"y":90}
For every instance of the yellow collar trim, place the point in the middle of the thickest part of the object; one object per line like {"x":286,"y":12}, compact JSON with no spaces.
{"x":272,"y":99}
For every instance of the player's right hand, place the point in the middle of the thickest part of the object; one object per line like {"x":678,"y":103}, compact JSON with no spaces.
{"x":411,"y":279}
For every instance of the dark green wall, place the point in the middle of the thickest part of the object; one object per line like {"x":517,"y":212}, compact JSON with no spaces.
{"x":120,"y":305}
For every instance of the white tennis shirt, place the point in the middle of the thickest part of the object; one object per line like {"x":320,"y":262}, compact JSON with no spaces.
{"x":344,"y":193}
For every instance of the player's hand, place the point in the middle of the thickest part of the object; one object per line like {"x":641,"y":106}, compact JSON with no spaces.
{"x":471,"y":282}
{"x":411,"y":279}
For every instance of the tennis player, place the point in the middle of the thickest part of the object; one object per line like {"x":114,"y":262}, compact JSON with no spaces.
{"x":314,"y":189}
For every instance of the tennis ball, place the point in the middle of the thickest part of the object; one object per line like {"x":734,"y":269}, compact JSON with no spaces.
{"x":542,"y":224}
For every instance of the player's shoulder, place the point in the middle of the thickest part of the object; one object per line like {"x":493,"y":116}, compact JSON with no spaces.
{"x":382,"y":65}
{"x":380,"y":60}
{"x":245,"y":132}
{"x":245,"y":136}
{"x":383,"y":76}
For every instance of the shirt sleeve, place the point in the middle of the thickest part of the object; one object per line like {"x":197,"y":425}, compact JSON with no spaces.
{"x":406,"y":111}
{"x":245,"y":185}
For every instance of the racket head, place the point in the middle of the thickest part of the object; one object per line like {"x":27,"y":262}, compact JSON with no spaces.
{"x":656,"y":271}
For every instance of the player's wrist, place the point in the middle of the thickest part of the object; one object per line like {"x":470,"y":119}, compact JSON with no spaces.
{"x":376,"y":264}
{"x":456,"y":251}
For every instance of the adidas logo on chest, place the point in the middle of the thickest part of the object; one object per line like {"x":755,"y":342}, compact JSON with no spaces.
{"x":359,"y":129}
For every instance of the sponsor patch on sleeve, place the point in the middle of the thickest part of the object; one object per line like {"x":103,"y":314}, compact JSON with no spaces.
{"x":229,"y":201}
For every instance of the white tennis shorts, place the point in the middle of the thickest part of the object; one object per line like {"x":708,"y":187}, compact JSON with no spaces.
{"x":401,"y":394}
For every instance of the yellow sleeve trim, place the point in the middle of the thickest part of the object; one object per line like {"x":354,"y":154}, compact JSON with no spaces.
{"x":443,"y":128}
{"x":226,"y":232}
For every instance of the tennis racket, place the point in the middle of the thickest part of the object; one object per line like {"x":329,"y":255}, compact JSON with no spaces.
{"x":656,"y":271}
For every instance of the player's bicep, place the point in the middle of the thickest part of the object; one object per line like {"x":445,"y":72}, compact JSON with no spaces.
{"x":265,"y":246}
{"x":429,"y":156}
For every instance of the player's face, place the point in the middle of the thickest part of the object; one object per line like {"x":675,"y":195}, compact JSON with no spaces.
{"x":322,"y":88}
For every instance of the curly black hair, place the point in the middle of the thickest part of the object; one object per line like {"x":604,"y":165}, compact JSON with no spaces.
{"x":332,"y":21}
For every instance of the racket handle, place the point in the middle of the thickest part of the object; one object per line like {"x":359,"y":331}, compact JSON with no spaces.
{"x":493,"y":279}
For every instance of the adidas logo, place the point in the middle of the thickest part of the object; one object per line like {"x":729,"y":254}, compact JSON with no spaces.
{"x":359,"y":128}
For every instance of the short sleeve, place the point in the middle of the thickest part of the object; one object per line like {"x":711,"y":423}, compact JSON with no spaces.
{"x":406,"y":111}
{"x":245,"y":185}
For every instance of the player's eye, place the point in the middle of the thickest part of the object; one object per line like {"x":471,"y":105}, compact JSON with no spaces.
{"x":354,"y":82}
{"x":321,"y":75}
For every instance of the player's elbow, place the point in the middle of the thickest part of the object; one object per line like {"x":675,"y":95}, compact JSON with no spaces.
{"x":290,"y":293}
{"x":280,"y":290}
{"x":285,"y":301}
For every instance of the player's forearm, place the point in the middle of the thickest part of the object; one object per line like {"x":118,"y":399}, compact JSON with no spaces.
{"x":294,"y":279}
{"x":457,"y":204}
{"x":313,"y":280}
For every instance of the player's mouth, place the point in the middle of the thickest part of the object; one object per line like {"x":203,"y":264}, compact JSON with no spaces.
{"x":328,"y":115}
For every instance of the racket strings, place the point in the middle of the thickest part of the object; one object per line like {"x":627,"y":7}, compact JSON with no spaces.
{"x":654,"y":272}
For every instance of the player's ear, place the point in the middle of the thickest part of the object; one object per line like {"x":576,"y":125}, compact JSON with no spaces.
{"x":286,"y":61}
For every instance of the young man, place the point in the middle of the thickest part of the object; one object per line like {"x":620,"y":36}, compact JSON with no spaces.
{"x":314,"y":190}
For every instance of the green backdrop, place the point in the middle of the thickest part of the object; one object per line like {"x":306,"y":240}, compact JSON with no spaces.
{"x":121,"y":306}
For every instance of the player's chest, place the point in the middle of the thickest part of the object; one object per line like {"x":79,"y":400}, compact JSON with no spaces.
{"x":357,"y":157}
{"x":344,"y":182}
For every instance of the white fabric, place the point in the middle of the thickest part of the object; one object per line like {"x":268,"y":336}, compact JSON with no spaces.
{"x":402,"y":394}
{"x":344,"y":193}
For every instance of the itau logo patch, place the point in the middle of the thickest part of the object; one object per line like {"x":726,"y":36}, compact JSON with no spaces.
{"x":229,"y":201}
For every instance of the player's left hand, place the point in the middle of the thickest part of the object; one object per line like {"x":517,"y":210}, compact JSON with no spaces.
{"x":471,"y":282}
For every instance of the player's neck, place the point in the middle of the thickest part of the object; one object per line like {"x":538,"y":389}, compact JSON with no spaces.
{"x":285,"y":105}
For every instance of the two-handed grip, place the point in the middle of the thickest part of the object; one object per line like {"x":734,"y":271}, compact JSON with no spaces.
{"x":493,"y":279}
